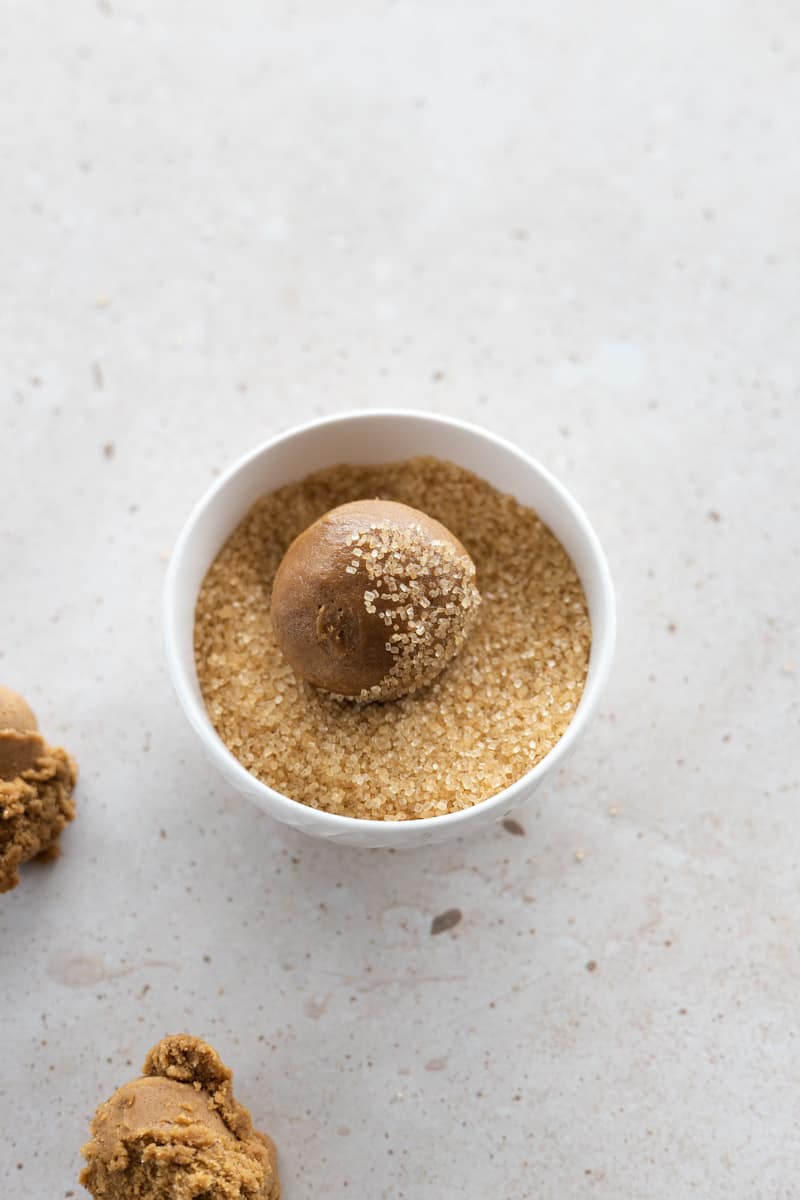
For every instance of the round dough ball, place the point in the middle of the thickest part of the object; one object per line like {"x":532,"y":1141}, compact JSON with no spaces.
{"x":154,"y":1104}
{"x":15,"y":712}
{"x":21,"y":744}
{"x":373,"y":600}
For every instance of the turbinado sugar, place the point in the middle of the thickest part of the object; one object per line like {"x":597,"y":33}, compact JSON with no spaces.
{"x":496,"y":710}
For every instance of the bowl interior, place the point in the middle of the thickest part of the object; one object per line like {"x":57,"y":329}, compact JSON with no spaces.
{"x":369,"y":438}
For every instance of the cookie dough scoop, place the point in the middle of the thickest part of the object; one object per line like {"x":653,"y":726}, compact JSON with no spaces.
{"x":177,"y":1133}
{"x":36,"y":785}
{"x":20,"y":741}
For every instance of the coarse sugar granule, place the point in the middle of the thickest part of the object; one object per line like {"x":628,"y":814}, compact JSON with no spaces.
{"x":428,"y":600}
{"x":495,"y":711}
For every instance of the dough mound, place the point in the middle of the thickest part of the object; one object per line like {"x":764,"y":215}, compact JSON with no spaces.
{"x":373,"y":600}
{"x":177,"y":1133}
{"x":36,"y":785}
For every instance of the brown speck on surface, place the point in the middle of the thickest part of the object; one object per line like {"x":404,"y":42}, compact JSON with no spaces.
{"x":438,"y":376}
{"x":612,"y":810}
{"x":97,"y":375}
{"x":314,"y":1009}
{"x":162,"y":833}
{"x":109,"y":450}
{"x":714,"y":515}
{"x":672,"y":627}
{"x":580,"y":855}
{"x":436,"y":1064}
{"x":591,"y":965}
{"x":512,"y":826}
{"x":446,"y":920}
{"x":682,"y":1012}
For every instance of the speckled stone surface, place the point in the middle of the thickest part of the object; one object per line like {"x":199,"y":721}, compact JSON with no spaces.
{"x":576,"y":224}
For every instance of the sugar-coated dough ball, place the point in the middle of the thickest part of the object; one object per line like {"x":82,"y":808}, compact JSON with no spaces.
{"x":373,"y":600}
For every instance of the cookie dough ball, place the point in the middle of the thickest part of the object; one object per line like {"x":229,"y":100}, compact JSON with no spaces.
{"x":36,"y":784}
{"x":177,"y":1133}
{"x":373,"y":600}
{"x":20,"y":742}
{"x":15,"y":712}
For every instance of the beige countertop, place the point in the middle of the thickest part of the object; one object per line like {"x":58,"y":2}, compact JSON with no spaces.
{"x":577,"y":225}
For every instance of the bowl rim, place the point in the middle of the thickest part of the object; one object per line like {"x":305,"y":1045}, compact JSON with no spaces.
{"x":276,"y":803}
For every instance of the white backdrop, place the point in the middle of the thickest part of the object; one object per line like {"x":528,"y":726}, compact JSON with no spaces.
{"x":578,"y":225}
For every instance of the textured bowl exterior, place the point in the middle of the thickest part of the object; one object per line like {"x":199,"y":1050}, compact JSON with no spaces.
{"x":375,"y":437}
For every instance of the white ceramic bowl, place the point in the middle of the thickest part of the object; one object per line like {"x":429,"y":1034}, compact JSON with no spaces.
{"x":376,"y":437}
